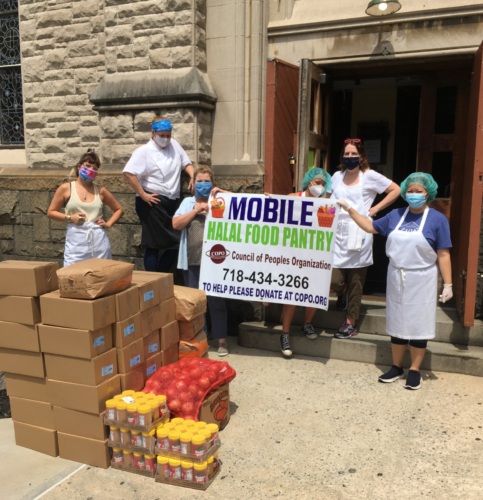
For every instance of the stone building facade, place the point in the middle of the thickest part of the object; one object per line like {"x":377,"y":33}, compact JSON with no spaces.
{"x":95,"y":71}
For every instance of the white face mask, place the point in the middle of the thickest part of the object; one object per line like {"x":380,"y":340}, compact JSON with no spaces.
{"x":162,"y":142}
{"x":316,"y":190}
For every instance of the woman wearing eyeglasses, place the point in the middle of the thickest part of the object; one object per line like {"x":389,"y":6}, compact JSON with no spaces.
{"x":357,"y":183}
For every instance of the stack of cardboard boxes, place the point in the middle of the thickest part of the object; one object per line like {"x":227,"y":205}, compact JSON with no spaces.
{"x":82,"y":372}
{"x":63,"y":358}
{"x":21,"y":284}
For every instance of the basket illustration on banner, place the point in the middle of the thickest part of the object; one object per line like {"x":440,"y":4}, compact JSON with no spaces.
{"x":217,"y":207}
{"x":325,"y":216}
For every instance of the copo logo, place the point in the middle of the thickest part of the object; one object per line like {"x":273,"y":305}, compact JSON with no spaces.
{"x":218,"y":253}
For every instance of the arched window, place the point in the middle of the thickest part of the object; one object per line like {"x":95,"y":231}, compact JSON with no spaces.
{"x":11,"y":105}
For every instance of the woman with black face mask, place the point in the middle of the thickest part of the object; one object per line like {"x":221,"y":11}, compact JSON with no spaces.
{"x":360,"y":185}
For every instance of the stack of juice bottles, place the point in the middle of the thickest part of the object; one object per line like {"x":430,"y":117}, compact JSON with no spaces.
{"x":187,"y":453}
{"x":132,"y":418}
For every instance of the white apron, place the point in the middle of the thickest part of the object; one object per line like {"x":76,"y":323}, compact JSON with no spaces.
{"x":86,"y":241}
{"x":412,"y":283}
{"x":353,"y":246}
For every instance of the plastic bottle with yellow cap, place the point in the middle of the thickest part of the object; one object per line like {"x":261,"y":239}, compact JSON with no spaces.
{"x":136,"y":438}
{"x":174,"y":468}
{"x":145,"y":415}
{"x":185,"y":443}
{"x":162,"y":441}
{"x":132,"y":413}
{"x":111,"y":413}
{"x":163,"y":409}
{"x":174,"y":442}
{"x":163,"y":466}
{"x":200,"y":472}
{"x":117,"y":456}
{"x":149,"y":438}
{"x":121,"y":411}
{"x":187,"y":470}
{"x":198,"y":445}
{"x":125,"y":436}
{"x":214,"y":429}
{"x":149,"y":462}
{"x":127,"y":455}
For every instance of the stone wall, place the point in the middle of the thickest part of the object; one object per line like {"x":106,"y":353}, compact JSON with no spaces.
{"x":68,"y":47}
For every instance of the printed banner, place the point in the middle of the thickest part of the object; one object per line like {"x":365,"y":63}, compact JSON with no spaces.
{"x":269,"y":248}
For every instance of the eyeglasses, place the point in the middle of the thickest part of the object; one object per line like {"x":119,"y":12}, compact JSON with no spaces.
{"x":352,"y":141}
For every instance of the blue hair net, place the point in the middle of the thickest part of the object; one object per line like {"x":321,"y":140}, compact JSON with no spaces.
{"x":162,"y":126}
{"x":317,"y":173}
{"x":422,"y":179}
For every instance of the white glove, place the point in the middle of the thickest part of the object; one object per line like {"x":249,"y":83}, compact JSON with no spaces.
{"x":446,"y":294}
{"x":344,"y":204}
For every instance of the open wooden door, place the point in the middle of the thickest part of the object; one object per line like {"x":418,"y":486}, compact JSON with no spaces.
{"x":313,"y":123}
{"x":467,"y":242}
{"x":281,"y":126}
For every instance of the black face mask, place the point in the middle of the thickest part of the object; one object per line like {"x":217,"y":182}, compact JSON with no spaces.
{"x":351,"y":163}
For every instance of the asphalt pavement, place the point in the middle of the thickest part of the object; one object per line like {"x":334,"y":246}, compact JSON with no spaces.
{"x":302,"y":428}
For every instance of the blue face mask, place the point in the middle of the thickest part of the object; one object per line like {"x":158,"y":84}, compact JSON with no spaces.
{"x":416,"y":200}
{"x":203,"y":189}
{"x":352,"y":162}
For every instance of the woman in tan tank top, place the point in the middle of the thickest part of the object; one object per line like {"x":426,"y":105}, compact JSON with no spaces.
{"x":83,"y":203}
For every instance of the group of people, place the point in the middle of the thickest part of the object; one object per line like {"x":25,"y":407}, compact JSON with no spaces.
{"x":418,"y":239}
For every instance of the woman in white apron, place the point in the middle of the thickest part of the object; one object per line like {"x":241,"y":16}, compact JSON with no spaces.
{"x":86,"y":236}
{"x":418,"y":242}
{"x":360,"y":185}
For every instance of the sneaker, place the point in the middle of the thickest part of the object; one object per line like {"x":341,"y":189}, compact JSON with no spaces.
{"x":413,"y":382}
{"x":346,"y":331}
{"x":395,"y":373}
{"x":309,"y":331}
{"x":342,"y":300}
{"x":223,"y":350}
{"x":285,"y":344}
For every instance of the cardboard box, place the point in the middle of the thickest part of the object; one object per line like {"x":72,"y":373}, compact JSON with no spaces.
{"x":19,"y":336}
{"x":22,"y":362}
{"x":27,"y":278}
{"x":151,"y":320}
{"x":77,"y":313}
{"x":127,"y":331}
{"x":151,"y":344}
{"x":80,"y":423}
{"x":134,"y":379}
{"x":189,"y":329}
{"x":194,"y":348}
{"x":74,"y":342}
{"x":148,"y":292}
{"x":168,"y":311}
{"x":32,"y":412}
{"x":84,"y":450}
{"x":153,"y":363}
{"x":81,"y":397}
{"x":170,"y":355}
{"x":190,"y":302}
{"x":22,"y":386}
{"x":80,"y":370}
{"x":130,"y":357}
{"x":165,"y":282}
{"x":36,"y":438}
{"x":94,"y":278}
{"x":127,"y":303}
{"x":215,"y":409}
{"x":17,"y":309}
{"x":169,"y":335}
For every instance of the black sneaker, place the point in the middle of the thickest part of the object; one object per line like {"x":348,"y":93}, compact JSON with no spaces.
{"x":342,"y":300}
{"x":285,"y":344}
{"x":395,"y":373}
{"x":346,"y":331}
{"x":309,"y":331}
{"x":413,"y":382}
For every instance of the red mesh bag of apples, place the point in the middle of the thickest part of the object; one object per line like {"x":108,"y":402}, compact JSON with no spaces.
{"x":187,"y":382}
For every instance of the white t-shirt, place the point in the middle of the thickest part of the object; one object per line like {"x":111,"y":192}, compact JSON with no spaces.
{"x":373,"y":184}
{"x":159,"y":170}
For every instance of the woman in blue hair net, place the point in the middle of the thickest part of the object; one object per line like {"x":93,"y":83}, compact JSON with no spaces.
{"x":418,"y":243}
{"x":315,"y":184}
{"x":154,"y":172}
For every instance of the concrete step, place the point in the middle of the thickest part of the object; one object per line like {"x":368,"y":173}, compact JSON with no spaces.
{"x":373,"y":320}
{"x":365,"y":348}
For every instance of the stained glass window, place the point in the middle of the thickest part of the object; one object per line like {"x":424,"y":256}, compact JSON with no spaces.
{"x":11,"y":107}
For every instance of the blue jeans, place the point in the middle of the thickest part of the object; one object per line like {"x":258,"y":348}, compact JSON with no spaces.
{"x":216,"y":305}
